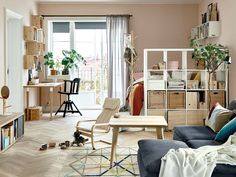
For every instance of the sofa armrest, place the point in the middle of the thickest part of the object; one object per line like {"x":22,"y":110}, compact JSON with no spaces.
{"x":151,"y":152}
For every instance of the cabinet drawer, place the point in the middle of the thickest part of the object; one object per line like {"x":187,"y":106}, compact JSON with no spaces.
{"x":176,"y":100}
{"x":156,"y":99}
{"x":176,"y":118}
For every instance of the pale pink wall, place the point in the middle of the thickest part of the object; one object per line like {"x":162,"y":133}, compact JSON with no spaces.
{"x":154,"y":25}
{"x":227,"y":16}
{"x":22,"y":8}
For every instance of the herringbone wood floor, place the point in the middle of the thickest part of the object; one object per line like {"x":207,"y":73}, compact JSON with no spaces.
{"x":24,"y":159}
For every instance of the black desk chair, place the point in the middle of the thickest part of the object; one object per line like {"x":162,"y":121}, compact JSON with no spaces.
{"x":70,"y":88}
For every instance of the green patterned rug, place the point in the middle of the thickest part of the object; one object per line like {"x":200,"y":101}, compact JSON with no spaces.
{"x":91,"y":163}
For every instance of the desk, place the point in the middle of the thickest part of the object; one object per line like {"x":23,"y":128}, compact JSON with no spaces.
{"x":157,"y":122}
{"x":51,"y":87}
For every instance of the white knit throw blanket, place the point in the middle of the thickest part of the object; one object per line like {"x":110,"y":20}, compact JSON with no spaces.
{"x":186,"y":162}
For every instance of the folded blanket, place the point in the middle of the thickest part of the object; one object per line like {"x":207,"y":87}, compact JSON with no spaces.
{"x":186,"y":162}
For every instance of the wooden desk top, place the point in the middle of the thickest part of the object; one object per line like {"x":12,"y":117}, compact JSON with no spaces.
{"x":56,"y":84}
{"x":138,"y":121}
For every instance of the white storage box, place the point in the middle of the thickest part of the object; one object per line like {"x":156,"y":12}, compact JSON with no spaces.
{"x":156,"y":85}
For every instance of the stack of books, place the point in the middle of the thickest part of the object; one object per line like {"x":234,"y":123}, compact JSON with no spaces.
{"x":176,"y":84}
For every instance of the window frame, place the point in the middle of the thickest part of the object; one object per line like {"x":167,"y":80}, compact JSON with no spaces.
{"x":49,"y":38}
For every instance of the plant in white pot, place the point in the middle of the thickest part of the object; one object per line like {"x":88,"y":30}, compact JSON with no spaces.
{"x":49,"y":61}
{"x":212,"y":55}
{"x":71,"y":60}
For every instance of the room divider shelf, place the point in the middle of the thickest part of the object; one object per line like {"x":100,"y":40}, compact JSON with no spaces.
{"x":179,"y":90}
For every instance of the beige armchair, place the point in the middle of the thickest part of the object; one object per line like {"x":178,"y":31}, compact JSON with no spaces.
{"x":99,"y":126}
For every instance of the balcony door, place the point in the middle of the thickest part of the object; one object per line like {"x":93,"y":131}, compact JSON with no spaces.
{"x":88,"y":37}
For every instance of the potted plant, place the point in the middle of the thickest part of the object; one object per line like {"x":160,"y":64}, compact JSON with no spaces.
{"x":71,"y":60}
{"x":49,"y":61}
{"x":213,"y":55}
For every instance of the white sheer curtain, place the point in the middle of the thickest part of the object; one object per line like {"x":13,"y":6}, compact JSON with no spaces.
{"x":117,"y":27}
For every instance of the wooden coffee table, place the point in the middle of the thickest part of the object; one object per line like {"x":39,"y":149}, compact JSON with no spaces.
{"x":157,"y":122}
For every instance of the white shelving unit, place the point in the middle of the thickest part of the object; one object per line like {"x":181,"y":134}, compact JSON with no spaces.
{"x":186,"y":104}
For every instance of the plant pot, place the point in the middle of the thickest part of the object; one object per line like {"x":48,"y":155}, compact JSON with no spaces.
{"x":65,"y":72}
{"x":53,"y":72}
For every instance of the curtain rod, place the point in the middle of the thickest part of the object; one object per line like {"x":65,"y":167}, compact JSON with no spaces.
{"x":129,"y":15}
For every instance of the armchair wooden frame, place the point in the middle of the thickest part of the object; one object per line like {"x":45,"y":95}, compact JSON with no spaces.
{"x":101,"y":124}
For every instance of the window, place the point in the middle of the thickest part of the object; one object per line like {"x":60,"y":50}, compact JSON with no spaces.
{"x":88,"y":38}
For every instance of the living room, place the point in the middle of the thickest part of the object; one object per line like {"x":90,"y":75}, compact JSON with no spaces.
{"x":157,"y":33}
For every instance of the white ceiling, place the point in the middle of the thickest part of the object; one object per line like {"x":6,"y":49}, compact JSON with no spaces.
{"x":123,"y":1}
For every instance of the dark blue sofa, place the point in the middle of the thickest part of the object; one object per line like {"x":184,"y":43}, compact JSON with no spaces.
{"x":151,"y":151}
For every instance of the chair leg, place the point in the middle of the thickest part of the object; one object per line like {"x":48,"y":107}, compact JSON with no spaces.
{"x":92,"y":141}
{"x":71,"y":107}
{"x":60,"y":108}
{"x":64,"y":114}
{"x":76,"y":108}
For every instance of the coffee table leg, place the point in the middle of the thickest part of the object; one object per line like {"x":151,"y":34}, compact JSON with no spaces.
{"x":160,"y":133}
{"x":114,"y":143}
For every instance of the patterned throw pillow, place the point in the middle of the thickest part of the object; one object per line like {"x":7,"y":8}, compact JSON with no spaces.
{"x":218,"y":118}
{"x":226,"y":131}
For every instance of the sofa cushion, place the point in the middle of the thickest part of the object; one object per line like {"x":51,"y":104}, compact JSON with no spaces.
{"x":186,"y":133}
{"x":198,"y":143}
{"x":151,"y":152}
{"x":226,"y":131}
{"x":218,"y":118}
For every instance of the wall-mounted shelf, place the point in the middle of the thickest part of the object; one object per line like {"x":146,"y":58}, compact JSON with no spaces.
{"x":206,"y":30}
{"x":34,"y":42}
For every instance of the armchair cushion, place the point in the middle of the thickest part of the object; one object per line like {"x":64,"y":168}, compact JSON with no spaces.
{"x":111,"y":103}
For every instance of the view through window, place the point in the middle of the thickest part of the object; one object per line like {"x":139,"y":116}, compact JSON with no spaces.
{"x":88,"y":38}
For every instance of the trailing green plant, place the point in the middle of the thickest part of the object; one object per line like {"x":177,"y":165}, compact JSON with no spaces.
{"x":48,"y":60}
{"x":71,"y":60}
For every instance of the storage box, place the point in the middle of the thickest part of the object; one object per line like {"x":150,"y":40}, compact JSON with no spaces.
{"x":32,"y":48}
{"x":217,"y":96}
{"x":156,"y":85}
{"x":156,"y":99}
{"x":176,"y":100}
{"x":30,"y":33}
{"x":37,"y":21}
{"x":29,"y":61}
{"x":192,"y":100}
{"x":35,"y":113}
